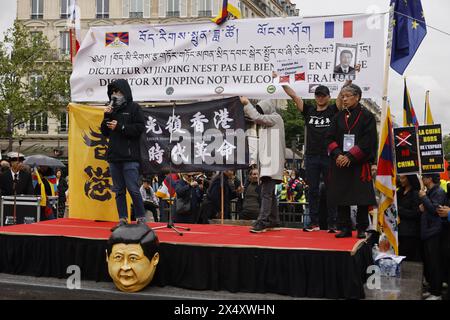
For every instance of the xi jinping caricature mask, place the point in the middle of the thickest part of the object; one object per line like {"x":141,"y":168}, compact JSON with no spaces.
{"x":132,"y":257}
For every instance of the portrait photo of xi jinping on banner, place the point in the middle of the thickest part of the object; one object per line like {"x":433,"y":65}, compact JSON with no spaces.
{"x":345,"y":61}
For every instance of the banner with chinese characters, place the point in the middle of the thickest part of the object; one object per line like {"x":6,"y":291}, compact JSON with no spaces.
{"x":203,"y":136}
{"x":406,"y":150}
{"x":205,"y":61}
{"x":90,"y":195}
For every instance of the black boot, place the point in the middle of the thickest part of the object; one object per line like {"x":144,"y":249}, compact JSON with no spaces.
{"x":345,"y":233}
{"x":361,"y":234}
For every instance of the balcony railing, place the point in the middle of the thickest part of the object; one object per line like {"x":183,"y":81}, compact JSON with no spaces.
{"x":38,"y":130}
{"x":205,"y":13}
{"x":63,"y":129}
{"x":172,"y":13}
{"x":102,"y":16}
{"x":37,"y":16}
{"x":138,"y":15}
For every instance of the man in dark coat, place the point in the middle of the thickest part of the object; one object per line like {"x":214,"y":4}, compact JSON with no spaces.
{"x":15,"y":179}
{"x":123,"y":124}
{"x":352,"y":145}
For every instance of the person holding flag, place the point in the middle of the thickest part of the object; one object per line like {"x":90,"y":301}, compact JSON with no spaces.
{"x":352,"y":145}
{"x":432,"y":233}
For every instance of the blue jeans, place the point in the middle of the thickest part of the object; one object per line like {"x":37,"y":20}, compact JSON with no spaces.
{"x":125,"y":176}
{"x":317,"y":166}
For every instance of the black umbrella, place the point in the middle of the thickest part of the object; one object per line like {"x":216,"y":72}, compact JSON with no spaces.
{"x":41,"y":160}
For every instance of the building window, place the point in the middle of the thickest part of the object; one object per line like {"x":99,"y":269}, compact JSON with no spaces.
{"x":173,"y":8}
{"x":38,"y":123}
{"x":34,"y":82}
{"x":205,"y":8}
{"x":37,"y":9}
{"x":36,"y":36}
{"x":64,"y":42}
{"x":63,"y":122}
{"x":102,"y":9}
{"x":65,"y":7}
{"x":136,"y":9}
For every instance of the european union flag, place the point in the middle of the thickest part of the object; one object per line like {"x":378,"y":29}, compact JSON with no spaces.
{"x":409,"y":31}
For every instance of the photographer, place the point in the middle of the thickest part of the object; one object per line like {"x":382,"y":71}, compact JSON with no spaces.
{"x":189,"y":192}
{"x":150,"y":199}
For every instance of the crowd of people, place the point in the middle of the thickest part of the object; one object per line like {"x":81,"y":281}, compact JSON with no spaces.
{"x":340,"y":164}
{"x":17,"y":178}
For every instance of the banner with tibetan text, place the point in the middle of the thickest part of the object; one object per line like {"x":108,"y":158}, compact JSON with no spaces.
{"x":205,"y":61}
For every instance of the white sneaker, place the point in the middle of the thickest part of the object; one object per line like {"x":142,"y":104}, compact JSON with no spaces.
{"x":425,"y":295}
{"x":431,"y":297}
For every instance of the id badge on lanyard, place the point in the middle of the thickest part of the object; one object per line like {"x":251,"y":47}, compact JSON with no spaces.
{"x":349,"y":142}
{"x":349,"y":139}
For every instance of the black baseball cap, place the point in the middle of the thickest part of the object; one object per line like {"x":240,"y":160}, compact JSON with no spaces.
{"x":322,"y":90}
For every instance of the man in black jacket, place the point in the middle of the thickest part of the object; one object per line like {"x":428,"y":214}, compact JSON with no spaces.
{"x":123,"y":124}
{"x":431,"y":233}
{"x":16,"y":180}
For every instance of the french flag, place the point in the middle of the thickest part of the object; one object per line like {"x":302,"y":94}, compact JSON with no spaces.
{"x":75,"y":29}
{"x":347,"y":29}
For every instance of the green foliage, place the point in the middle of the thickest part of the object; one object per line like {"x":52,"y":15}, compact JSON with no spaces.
{"x":23,"y":57}
{"x":446,"y":146}
{"x":293,"y":124}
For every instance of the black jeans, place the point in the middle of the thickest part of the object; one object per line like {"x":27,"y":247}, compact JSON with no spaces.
{"x":410,"y":247}
{"x":152,"y":208}
{"x":317,"y":166}
{"x":432,"y":263}
{"x":345,"y":221}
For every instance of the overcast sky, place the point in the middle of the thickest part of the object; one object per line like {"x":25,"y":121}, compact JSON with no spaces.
{"x":429,"y":70}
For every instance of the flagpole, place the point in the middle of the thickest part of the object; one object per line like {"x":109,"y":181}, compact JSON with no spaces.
{"x":427,"y":104}
{"x":384,"y":103}
{"x":387,"y":63}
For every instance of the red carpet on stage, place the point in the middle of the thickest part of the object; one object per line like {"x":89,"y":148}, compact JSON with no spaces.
{"x":201,"y":235}
{"x":208,"y":257}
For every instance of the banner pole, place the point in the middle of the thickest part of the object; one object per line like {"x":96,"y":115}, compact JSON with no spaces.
{"x":384,"y":102}
{"x":221,"y":197}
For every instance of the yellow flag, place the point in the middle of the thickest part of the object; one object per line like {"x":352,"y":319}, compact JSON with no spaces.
{"x":428,"y":115}
{"x":43,"y":202}
{"x":90,"y":195}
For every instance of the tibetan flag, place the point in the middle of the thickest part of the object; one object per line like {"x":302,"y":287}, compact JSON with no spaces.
{"x":409,"y":115}
{"x":229,"y":7}
{"x":117,"y":39}
{"x":428,"y":115}
{"x":347,"y":29}
{"x":284,"y":79}
{"x":300,"y":76}
{"x":75,"y":29}
{"x":409,"y":31}
{"x":386,"y":183}
{"x":167,"y":188}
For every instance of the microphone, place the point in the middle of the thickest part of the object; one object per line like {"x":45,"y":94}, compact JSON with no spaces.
{"x":111,"y":104}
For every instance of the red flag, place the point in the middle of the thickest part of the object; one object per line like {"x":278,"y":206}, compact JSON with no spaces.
{"x":348,"y":29}
{"x":300,"y":76}
{"x":75,"y":29}
{"x":284,"y":79}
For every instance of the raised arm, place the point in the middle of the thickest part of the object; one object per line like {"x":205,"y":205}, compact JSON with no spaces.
{"x":297,"y":100}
